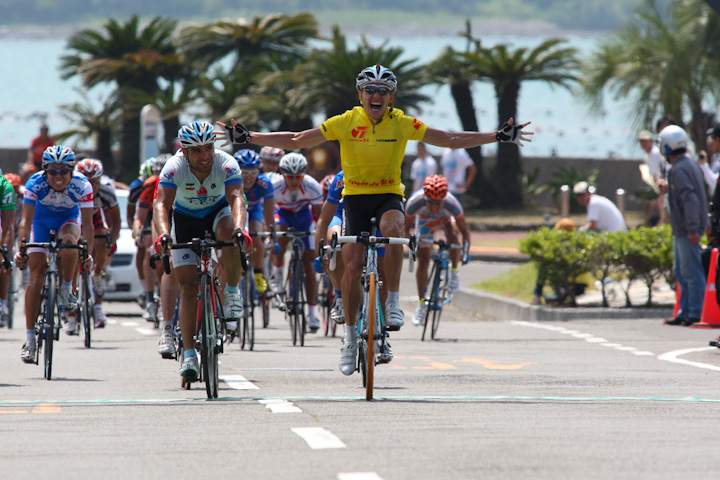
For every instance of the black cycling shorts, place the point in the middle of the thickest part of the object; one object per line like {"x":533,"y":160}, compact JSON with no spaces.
{"x":359,"y":209}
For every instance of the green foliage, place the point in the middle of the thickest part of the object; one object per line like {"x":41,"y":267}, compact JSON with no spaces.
{"x":642,"y":254}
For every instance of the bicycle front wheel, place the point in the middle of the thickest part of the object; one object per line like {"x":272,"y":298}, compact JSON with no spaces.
{"x":430,"y":299}
{"x":442,"y":295}
{"x":12,"y":297}
{"x":370,"y":311}
{"x":48,"y":327}
{"x":208,"y":337}
{"x":300,"y":322}
{"x":86,"y":308}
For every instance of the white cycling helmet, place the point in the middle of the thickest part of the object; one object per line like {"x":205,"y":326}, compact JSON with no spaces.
{"x":672,"y":138}
{"x":293,"y":164}
{"x":159,"y":162}
{"x":92,"y":168}
{"x":196,"y":134}
{"x":271,"y":153}
{"x":376,"y":75}
{"x":58,"y":154}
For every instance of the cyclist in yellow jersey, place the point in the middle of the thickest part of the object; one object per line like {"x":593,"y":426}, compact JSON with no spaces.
{"x":372,"y":140}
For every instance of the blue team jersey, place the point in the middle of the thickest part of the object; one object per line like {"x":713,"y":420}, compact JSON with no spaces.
{"x":334,"y":195}
{"x":261,"y":191}
{"x":49,"y":202}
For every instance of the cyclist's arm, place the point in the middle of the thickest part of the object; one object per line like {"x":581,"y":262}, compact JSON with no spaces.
{"x":409,"y":225}
{"x":130,"y":214}
{"x":326,"y":214}
{"x":7,"y":219}
{"x":464,"y":229}
{"x":140,"y":217}
{"x":234,"y":196}
{"x":269,"y":213}
{"x":88,"y":229}
{"x":441,"y":138}
{"x":28,"y":213}
{"x":288,"y":140}
{"x":161,"y":212}
{"x":115,"y":220}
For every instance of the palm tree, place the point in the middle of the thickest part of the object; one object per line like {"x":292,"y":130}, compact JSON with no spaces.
{"x":132,"y":58}
{"x":665,"y":62}
{"x":97,"y":124}
{"x":507,"y":68}
{"x":284,"y":35}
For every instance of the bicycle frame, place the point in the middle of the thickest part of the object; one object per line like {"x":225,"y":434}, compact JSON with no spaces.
{"x":295,"y":295}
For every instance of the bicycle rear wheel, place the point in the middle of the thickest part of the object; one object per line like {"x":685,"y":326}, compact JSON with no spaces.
{"x":370,"y":311}
{"x":442,"y":295}
{"x":290,"y":306}
{"x":264,"y":303}
{"x":209,"y":352}
{"x":300,"y":302}
{"x":49,"y":325}
{"x":12,"y":297}
{"x":431,"y":297}
{"x":248,"y":326}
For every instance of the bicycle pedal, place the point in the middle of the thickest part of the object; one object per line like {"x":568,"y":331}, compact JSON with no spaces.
{"x":392,"y":328}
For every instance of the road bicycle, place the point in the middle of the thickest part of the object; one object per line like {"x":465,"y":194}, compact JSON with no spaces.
{"x":436,"y":293}
{"x":48,"y":321}
{"x":294,"y":298}
{"x":209,"y":336}
{"x":247,"y":325}
{"x":326,"y":291}
{"x":13,"y":291}
{"x":86,"y":305}
{"x":371,"y":327}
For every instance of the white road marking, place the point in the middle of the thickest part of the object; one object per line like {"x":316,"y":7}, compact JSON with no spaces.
{"x":280,"y":406}
{"x":595,"y":340}
{"x":129,"y":324}
{"x":359,"y":476}
{"x":641,"y":353}
{"x":149,"y":332}
{"x":110,"y":321}
{"x":318,"y":438}
{"x":238,"y":382}
{"x":672,"y":357}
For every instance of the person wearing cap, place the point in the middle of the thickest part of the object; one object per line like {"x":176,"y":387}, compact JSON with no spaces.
{"x":656,"y":167}
{"x":688,"y":218}
{"x":602,"y":214}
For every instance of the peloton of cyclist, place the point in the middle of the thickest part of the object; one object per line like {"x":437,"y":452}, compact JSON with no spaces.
{"x":135,"y":189}
{"x":373,"y":138}
{"x":204,"y":188}
{"x":298,"y":197}
{"x":106,"y":220}
{"x":260,"y":197}
{"x":270,"y":158}
{"x":329,"y":222}
{"x":55,"y":199}
{"x":428,"y":210}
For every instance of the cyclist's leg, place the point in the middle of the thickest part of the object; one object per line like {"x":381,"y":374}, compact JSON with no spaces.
{"x":231,"y":262}
{"x":101,"y":258}
{"x":308,"y":256}
{"x":68,"y":258}
{"x":258,"y":254}
{"x":452,"y":235}
{"x":168,"y":301}
{"x":4,"y":284}
{"x":392,"y":224}
{"x":37,"y":265}
{"x":278,"y":259}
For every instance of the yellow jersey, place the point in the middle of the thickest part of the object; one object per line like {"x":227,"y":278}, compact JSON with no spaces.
{"x":371,"y":154}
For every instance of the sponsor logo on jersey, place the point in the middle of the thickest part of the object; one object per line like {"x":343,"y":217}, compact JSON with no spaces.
{"x":87,"y":198}
{"x":168,"y":176}
{"x":417,"y":124}
{"x":230,"y":171}
{"x":358,"y":133}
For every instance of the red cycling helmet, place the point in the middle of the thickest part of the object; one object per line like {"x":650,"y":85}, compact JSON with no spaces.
{"x":326,"y":183}
{"x":13,"y":178}
{"x":435,"y":187}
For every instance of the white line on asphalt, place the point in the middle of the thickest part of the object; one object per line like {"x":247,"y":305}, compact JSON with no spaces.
{"x":672,"y":357}
{"x":110,"y":321}
{"x":280,"y":406}
{"x":595,"y":340}
{"x":146,"y":331}
{"x":643,"y":353}
{"x":129,"y":324}
{"x":359,"y":476}
{"x":238,"y":382}
{"x":318,"y":438}
{"x":611,"y":345}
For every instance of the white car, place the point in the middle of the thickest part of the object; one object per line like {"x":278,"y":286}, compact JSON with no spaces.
{"x":123,"y":283}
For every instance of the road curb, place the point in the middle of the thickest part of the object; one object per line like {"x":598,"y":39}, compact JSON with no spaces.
{"x":501,"y":308}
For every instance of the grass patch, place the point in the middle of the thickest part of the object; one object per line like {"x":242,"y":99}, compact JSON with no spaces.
{"x":517,"y":283}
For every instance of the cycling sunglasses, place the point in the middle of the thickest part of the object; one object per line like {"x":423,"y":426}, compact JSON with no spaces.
{"x":58,"y":171}
{"x":249,"y":171}
{"x":372,"y":89}
{"x":293,"y":177}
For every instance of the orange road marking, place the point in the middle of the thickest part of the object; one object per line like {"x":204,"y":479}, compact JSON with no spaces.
{"x":494,"y":365}
{"x":13,"y":411}
{"x":46,"y":408}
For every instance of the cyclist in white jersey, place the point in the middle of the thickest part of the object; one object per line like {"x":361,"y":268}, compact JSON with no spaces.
{"x":270,"y":158}
{"x":298,"y":197}
{"x":204,"y":188}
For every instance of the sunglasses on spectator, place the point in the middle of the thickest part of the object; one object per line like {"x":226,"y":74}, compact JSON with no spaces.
{"x":372,"y":89}
{"x":58,"y":171}
{"x":293,"y":177}
{"x":434,"y":202}
{"x":249,"y":171}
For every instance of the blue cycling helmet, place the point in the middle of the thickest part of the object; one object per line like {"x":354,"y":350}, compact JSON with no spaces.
{"x":247,"y":159}
{"x":196,"y":134}
{"x":58,"y":154}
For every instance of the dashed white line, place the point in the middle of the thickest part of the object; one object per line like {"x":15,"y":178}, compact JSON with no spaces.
{"x":238,"y":382}
{"x":148,"y":332}
{"x":280,"y":406}
{"x":359,"y":476}
{"x":318,"y":438}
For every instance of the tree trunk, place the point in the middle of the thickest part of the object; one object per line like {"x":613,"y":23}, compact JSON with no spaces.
{"x":103,"y":150}
{"x":171,"y":125}
{"x":129,"y":147}
{"x":509,"y":168}
{"x":481,"y":188}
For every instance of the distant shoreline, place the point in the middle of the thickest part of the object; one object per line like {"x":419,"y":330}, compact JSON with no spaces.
{"x":407,"y":29}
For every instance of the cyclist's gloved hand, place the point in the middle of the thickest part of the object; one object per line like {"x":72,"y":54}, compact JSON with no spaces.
{"x":113,"y":249}
{"x":509,"y":133}
{"x":237,"y":133}
{"x":246,"y":238}
{"x":159,"y":248}
{"x":318,"y":265}
{"x":20,"y":260}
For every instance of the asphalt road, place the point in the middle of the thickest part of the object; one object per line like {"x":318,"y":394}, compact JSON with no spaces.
{"x":489,"y":399}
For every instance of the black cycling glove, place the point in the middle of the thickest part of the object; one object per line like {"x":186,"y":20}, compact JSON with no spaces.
{"x":237,"y":134}
{"x":509,"y":133}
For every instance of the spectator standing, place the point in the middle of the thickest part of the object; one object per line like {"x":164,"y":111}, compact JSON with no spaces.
{"x":35,"y":153}
{"x":423,"y":166}
{"x":688,"y":218}
{"x":656,"y":165}
{"x":460,"y":171}
{"x":602,"y":214}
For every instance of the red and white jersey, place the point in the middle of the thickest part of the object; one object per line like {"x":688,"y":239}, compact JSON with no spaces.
{"x":309,"y":193}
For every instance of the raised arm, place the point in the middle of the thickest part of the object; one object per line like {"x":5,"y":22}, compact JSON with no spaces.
{"x":284,"y":140}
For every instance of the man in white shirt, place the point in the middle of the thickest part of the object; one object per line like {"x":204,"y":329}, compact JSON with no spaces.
{"x":602,"y":214}
{"x":422,"y":167}
{"x":459,"y":169}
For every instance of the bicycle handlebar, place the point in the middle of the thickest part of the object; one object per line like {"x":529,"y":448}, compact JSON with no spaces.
{"x":196,"y":245}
